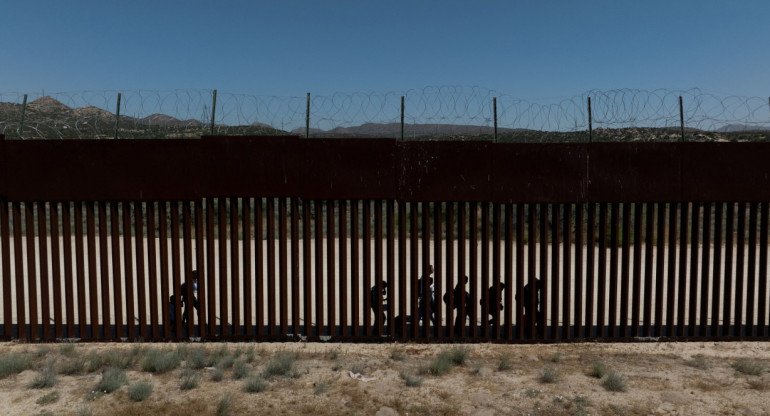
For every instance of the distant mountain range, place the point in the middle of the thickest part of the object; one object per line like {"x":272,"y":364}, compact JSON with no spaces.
{"x":47,"y":117}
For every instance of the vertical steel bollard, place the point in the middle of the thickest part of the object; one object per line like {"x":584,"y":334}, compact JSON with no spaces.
{"x":117,"y":117}
{"x":213,"y":111}
{"x":23,"y":111}
{"x":681,"y":117}
{"x":494,"y":111}
{"x":402,"y":118}
{"x":307,"y":118}
{"x":590,"y":123}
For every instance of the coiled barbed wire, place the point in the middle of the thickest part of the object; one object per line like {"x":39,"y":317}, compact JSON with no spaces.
{"x":452,"y":112}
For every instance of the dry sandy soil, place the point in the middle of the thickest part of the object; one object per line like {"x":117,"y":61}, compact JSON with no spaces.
{"x":659,"y":378}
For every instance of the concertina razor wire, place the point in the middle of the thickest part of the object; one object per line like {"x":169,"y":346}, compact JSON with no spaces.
{"x":435,"y":112}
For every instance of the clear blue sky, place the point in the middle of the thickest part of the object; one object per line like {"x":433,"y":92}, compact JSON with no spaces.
{"x":525,"y":48}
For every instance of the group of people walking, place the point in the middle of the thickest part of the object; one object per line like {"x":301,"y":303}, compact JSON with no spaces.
{"x":461,"y":301}
{"x":426,"y":301}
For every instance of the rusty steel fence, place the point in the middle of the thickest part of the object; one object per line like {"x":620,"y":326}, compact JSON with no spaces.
{"x":296,"y":239}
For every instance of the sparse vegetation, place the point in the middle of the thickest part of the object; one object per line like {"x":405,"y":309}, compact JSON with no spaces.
{"x":440,"y":365}
{"x":72,"y":365}
{"x":506,"y":364}
{"x":46,"y":377}
{"x":749,"y":366}
{"x":255,"y":384}
{"x":159,"y":362}
{"x":397,"y":354}
{"x":280,"y":365}
{"x":458,"y":355}
{"x":14,"y":363}
{"x":698,"y":361}
{"x":225,"y":405}
{"x":139,"y":391}
{"x":549,"y":374}
{"x":598,"y":369}
{"x":411,"y":380}
{"x":189,"y":379}
{"x":241,"y":369}
{"x":196,"y":358}
{"x":49,"y":398}
{"x":321,"y":387}
{"x":112,"y":379}
{"x":614,"y":381}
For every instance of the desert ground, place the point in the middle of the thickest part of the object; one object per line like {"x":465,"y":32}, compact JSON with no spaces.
{"x":729,"y":378}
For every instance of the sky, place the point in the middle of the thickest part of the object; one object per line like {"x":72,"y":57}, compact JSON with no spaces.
{"x":287,"y":48}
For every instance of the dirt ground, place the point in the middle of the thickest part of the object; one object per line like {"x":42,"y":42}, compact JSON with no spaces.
{"x":399,"y":379}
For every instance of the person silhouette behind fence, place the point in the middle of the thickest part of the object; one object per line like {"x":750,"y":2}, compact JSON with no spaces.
{"x":375,"y":300}
{"x":421,"y":296}
{"x":530,"y":309}
{"x":494,"y":298}
{"x":185,"y":301}
{"x":459,"y":297}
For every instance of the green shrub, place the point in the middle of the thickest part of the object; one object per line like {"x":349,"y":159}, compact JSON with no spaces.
{"x":440,"y":365}
{"x":549,"y":375}
{"x":614,"y":381}
{"x":505,"y":363}
{"x":112,"y":379}
{"x":598,"y":369}
{"x":14,"y":363}
{"x":139,"y":391}
{"x":241,"y":369}
{"x":749,"y":366}
{"x":45,"y":377}
{"x":196,"y":358}
{"x":458,"y":355}
{"x":225,"y":406}
{"x":67,"y":349}
{"x":119,"y":359}
{"x":73,"y":365}
{"x":280,"y":365}
{"x":157,"y":361}
{"x":225,"y":362}
{"x":189,"y":379}
{"x":255,"y":384}
{"x":411,"y":380}
{"x":48,"y":398}
{"x":217,"y":374}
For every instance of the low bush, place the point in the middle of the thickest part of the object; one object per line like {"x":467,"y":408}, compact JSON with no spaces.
{"x":189,"y":379}
{"x":255,"y":384}
{"x":46,"y":377}
{"x":411,"y":380}
{"x":139,"y":391}
{"x":549,"y":375}
{"x":614,"y":381}
{"x":159,"y":362}
{"x":49,"y":398}
{"x":749,"y":366}
{"x":225,"y":405}
{"x":14,"y":363}
{"x":280,"y":365}
{"x":598,"y":369}
{"x":112,"y":379}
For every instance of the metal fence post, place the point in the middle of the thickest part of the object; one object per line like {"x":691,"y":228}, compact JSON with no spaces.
{"x":307,"y":117}
{"x":117,"y":117}
{"x":213,"y":111}
{"x":681,"y":117}
{"x":494,"y":110}
{"x":23,"y":111}
{"x":402,"y":118}
{"x":590,"y":123}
